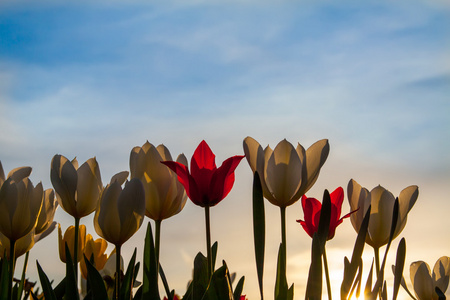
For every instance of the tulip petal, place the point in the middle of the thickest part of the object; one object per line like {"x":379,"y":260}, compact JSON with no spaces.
{"x":406,"y":200}
{"x":2,"y":174}
{"x":316,"y":155}
{"x":89,"y":187}
{"x":382,"y":202}
{"x":421,"y":280}
{"x":223,"y":179}
{"x":120,"y":177}
{"x":311,"y":211}
{"x":358,"y":200}
{"x":441,"y":273}
{"x":64,"y":179}
{"x":131,"y":207}
{"x":203,"y":158}
{"x":20,"y":173}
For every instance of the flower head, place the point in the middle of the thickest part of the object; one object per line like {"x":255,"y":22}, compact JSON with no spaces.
{"x":382,"y":207}
{"x":120,"y":212}
{"x":69,"y":239}
{"x":206,"y":185}
{"x":164,"y":194}
{"x":78,"y":189}
{"x":312,"y":208}
{"x":95,"y":249}
{"x":425,"y":282}
{"x":286,"y":172}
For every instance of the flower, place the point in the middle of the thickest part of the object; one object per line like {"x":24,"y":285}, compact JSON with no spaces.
{"x":164,"y":194}
{"x":424,"y":282}
{"x":312,"y":208}
{"x":20,"y":204}
{"x":49,"y":205}
{"x":120,"y":212}
{"x":69,"y":238}
{"x":95,"y":249}
{"x":22,"y":245}
{"x":382,"y":207}
{"x":286,"y":173}
{"x":78,"y":189}
{"x":206,"y":185}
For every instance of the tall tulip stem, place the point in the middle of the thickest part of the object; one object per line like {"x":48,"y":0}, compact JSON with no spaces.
{"x":157,"y":241}
{"x":377,"y":259}
{"x":283,"y":230}
{"x":208,"y":241}
{"x":117,"y":279}
{"x":12,"y":245}
{"x":75,"y":250}
{"x":327,"y":274}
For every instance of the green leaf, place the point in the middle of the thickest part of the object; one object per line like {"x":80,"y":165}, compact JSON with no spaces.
{"x":351,"y":268}
{"x":238,"y":289}
{"x":201,"y":280}
{"x":314,"y":285}
{"x":214,"y":254}
{"x":220,"y":286}
{"x":281,"y":286}
{"x":4,"y":279}
{"x":150,"y":276}
{"x":126,"y":291}
{"x":259,"y":229}
{"x":95,"y":280}
{"x":71,"y":292}
{"x":399,"y":265}
{"x":368,"y":287}
{"x":290,"y":293}
{"x":22,"y":278}
{"x":45,"y":283}
{"x":164,"y":281}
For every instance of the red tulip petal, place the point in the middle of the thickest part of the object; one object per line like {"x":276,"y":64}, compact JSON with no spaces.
{"x":203,"y":158}
{"x":311,"y":211}
{"x":309,"y":230}
{"x":184,"y":178}
{"x":223,"y":179}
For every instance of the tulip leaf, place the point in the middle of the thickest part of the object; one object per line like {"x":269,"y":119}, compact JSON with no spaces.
{"x":399,"y":265}
{"x":324,"y":221}
{"x":214,"y":254}
{"x":314,"y":285}
{"x":71,"y":292}
{"x":95,"y":281}
{"x":441,"y":295}
{"x":281,"y":286}
{"x":220,"y":286}
{"x":201,"y":280}
{"x":4,"y":278}
{"x":49,"y":294}
{"x":259,"y":229}
{"x":238,"y":289}
{"x":150,"y":276}
{"x":368,"y":287}
{"x":164,"y":281}
{"x":351,"y":268}
{"x":128,"y":280}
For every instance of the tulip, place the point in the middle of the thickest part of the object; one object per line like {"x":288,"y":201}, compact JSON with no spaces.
{"x":78,"y":189}
{"x":424,"y":282}
{"x":312,"y":208}
{"x":69,"y":239}
{"x":119,"y":215}
{"x":206,"y":185}
{"x":286,"y":172}
{"x":94,"y":249}
{"x":164,"y":194}
{"x":382,"y":203}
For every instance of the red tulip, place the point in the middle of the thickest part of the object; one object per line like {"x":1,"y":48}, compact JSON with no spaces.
{"x":206,"y":185}
{"x":312,"y":208}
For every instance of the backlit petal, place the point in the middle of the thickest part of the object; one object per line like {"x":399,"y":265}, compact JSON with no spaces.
{"x":421,"y":280}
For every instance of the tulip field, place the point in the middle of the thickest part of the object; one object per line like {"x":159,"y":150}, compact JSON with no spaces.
{"x":157,"y":187}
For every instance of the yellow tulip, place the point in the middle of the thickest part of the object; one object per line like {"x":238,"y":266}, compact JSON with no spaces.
{"x":95,"y":249}
{"x":286,"y":173}
{"x":424,"y":282}
{"x":120,"y":212}
{"x":49,"y":205}
{"x":20,"y":204}
{"x":382,"y":207}
{"x":21,"y":246}
{"x":69,"y":238}
{"x":78,"y":189}
{"x":164,"y":194}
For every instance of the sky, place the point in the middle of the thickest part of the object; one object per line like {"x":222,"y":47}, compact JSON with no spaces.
{"x":86,"y":79}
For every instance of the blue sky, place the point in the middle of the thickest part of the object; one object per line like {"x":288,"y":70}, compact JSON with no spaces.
{"x":83,"y":79}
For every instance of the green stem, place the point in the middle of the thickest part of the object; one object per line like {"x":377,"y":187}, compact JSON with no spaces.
{"x":12,"y":262}
{"x":283,"y":231}
{"x":22,"y":279}
{"x":327,"y":275}
{"x":75,"y":250}
{"x":157,"y":242}
{"x":377,"y":260}
{"x":208,"y":241}
{"x":118,"y":273}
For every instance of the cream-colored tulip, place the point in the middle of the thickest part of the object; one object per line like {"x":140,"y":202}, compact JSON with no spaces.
{"x":49,"y":205}
{"x":382,"y":207}
{"x":69,"y":239}
{"x":286,"y":172}
{"x":20,"y":204}
{"x":120,"y":212}
{"x":78,"y":189}
{"x":164,"y":194}
{"x":424,"y":282}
